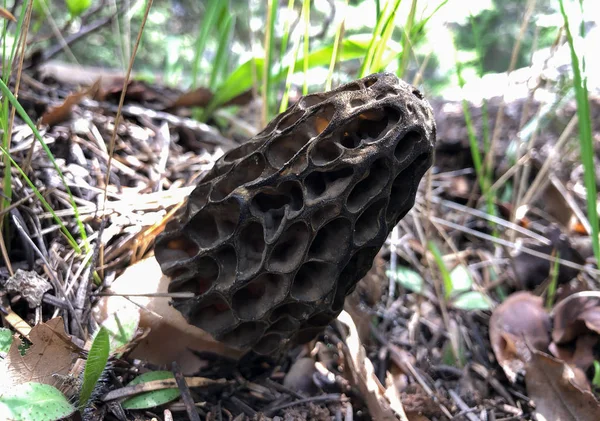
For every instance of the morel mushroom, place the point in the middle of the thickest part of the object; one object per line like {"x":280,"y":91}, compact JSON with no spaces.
{"x":282,"y":228}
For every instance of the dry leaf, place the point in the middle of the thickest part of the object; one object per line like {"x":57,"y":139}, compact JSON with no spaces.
{"x":368,"y":291}
{"x":550,"y":384}
{"x":360,"y":372}
{"x":62,"y":112}
{"x":579,"y":356}
{"x":170,"y":338}
{"x":576,"y":317}
{"x":51,"y":353}
{"x":517,"y":323}
{"x":199,"y":97}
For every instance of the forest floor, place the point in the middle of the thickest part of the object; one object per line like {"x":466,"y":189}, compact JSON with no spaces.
{"x":464,"y":314}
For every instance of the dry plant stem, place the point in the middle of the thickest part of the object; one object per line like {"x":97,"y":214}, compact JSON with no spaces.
{"x":464,"y":408}
{"x":186,"y":396}
{"x":118,"y":119}
{"x":571,"y":202}
{"x":582,"y":294}
{"x":541,"y":180}
{"x":496,"y":220}
{"x":513,"y":246}
{"x":78,"y":329}
{"x":511,"y":67}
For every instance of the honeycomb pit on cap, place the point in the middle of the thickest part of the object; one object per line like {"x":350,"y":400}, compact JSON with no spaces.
{"x":282,"y":228}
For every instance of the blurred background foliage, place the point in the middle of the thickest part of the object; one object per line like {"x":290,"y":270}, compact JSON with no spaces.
{"x":169,"y":47}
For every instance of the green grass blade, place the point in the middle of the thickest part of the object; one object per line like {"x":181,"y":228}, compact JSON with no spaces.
{"x":335,"y":51}
{"x":586,"y":140}
{"x":240,"y":80}
{"x":6,"y":91}
{"x":446,"y":278}
{"x":368,"y":58}
{"x":285,"y":38}
{"x":94,"y":366}
{"x":43,"y":201}
{"x":388,"y":29}
{"x":225,"y":35}
{"x":207,"y":26}
{"x":4,"y":108}
{"x":406,"y":39}
{"x":267,"y":74}
{"x":305,"y":66}
{"x":290,"y":72}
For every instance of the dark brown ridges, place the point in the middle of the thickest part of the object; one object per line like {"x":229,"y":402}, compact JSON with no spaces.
{"x":283,"y":227}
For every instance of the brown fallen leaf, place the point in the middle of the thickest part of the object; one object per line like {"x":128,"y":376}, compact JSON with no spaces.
{"x":519,"y":321}
{"x":579,"y":354}
{"x":170,"y":337}
{"x":199,"y":97}
{"x":550,"y":384}
{"x":62,"y":112}
{"x":51,"y":353}
{"x":367,"y":294}
{"x":361,"y":373}
{"x":577,"y":316}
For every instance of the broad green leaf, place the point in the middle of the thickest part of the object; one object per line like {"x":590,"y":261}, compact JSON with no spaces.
{"x":461,"y":279}
{"x":34,"y":402}
{"x":121,"y":327}
{"x":77,"y":7}
{"x":408,"y":278}
{"x":94,"y":366}
{"x":6,"y":338}
{"x":472,"y":300}
{"x":153,"y":398}
{"x":243,"y":77}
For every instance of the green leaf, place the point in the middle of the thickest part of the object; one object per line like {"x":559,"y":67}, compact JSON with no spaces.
{"x":6,"y":338}
{"x":153,"y":398}
{"x":408,"y":278}
{"x":437,"y":255}
{"x":34,"y":402}
{"x":242,"y":78}
{"x":121,"y":328}
{"x":472,"y":300}
{"x":77,"y":7}
{"x":94,"y":366}
{"x":596,"y":379}
{"x":461,"y":279}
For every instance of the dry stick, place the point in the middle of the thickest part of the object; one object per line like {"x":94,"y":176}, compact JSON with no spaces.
{"x":541,"y":180}
{"x":186,"y":396}
{"x":113,"y":139}
{"x":71,"y":39}
{"x":56,"y":283}
{"x":571,"y":202}
{"x":496,"y":220}
{"x":511,"y":245}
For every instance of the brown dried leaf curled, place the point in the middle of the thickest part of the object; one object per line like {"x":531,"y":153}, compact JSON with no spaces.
{"x":518,"y":323}
{"x":551,"y":385}
{"x":578,"y":316}
{"x":281,"y":229}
